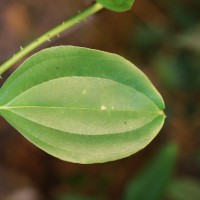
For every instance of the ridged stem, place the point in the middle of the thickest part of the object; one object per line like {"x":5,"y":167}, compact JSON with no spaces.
{"x":48,"y":35}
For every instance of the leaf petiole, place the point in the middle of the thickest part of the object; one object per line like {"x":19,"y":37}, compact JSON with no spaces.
{"x":48,"y":35}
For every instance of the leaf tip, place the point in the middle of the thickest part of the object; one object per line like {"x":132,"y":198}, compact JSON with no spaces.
{"x":161,"y":112}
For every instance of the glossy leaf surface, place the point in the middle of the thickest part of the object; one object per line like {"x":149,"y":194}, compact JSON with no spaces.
{"x":82,"y":105}
{"x":117,"y":5}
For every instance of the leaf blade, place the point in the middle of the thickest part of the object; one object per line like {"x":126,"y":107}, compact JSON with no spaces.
{"x":117,"y":5}
{"x":73,"y":97}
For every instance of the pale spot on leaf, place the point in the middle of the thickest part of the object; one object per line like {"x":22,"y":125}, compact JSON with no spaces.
{"x":84,"y":91}
{"x":103,"y":107}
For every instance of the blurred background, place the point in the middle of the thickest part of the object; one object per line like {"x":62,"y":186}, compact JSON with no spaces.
{"x":162,"y":38}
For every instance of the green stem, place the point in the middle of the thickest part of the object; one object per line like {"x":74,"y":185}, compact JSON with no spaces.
{"x":48,"y":35}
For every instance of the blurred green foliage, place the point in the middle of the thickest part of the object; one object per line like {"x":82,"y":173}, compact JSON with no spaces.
{"x":184,"y":189}
{"x":179,"y":72}
{"x":173,"y":48}
{"x":75,"y":197}
{"x":152,"y":182}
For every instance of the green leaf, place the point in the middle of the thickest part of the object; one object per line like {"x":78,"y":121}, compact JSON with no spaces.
{"x":152,"y":182}
{"x":117,"y":5}
{"x":82,"y":105}
{"x":184,"y":188}
{"x":76,"y":197}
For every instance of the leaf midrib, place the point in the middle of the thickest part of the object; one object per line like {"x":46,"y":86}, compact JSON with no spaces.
{"x":16,"y":113}
{"x":159,"y":112}
{"x":25,"y":91}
